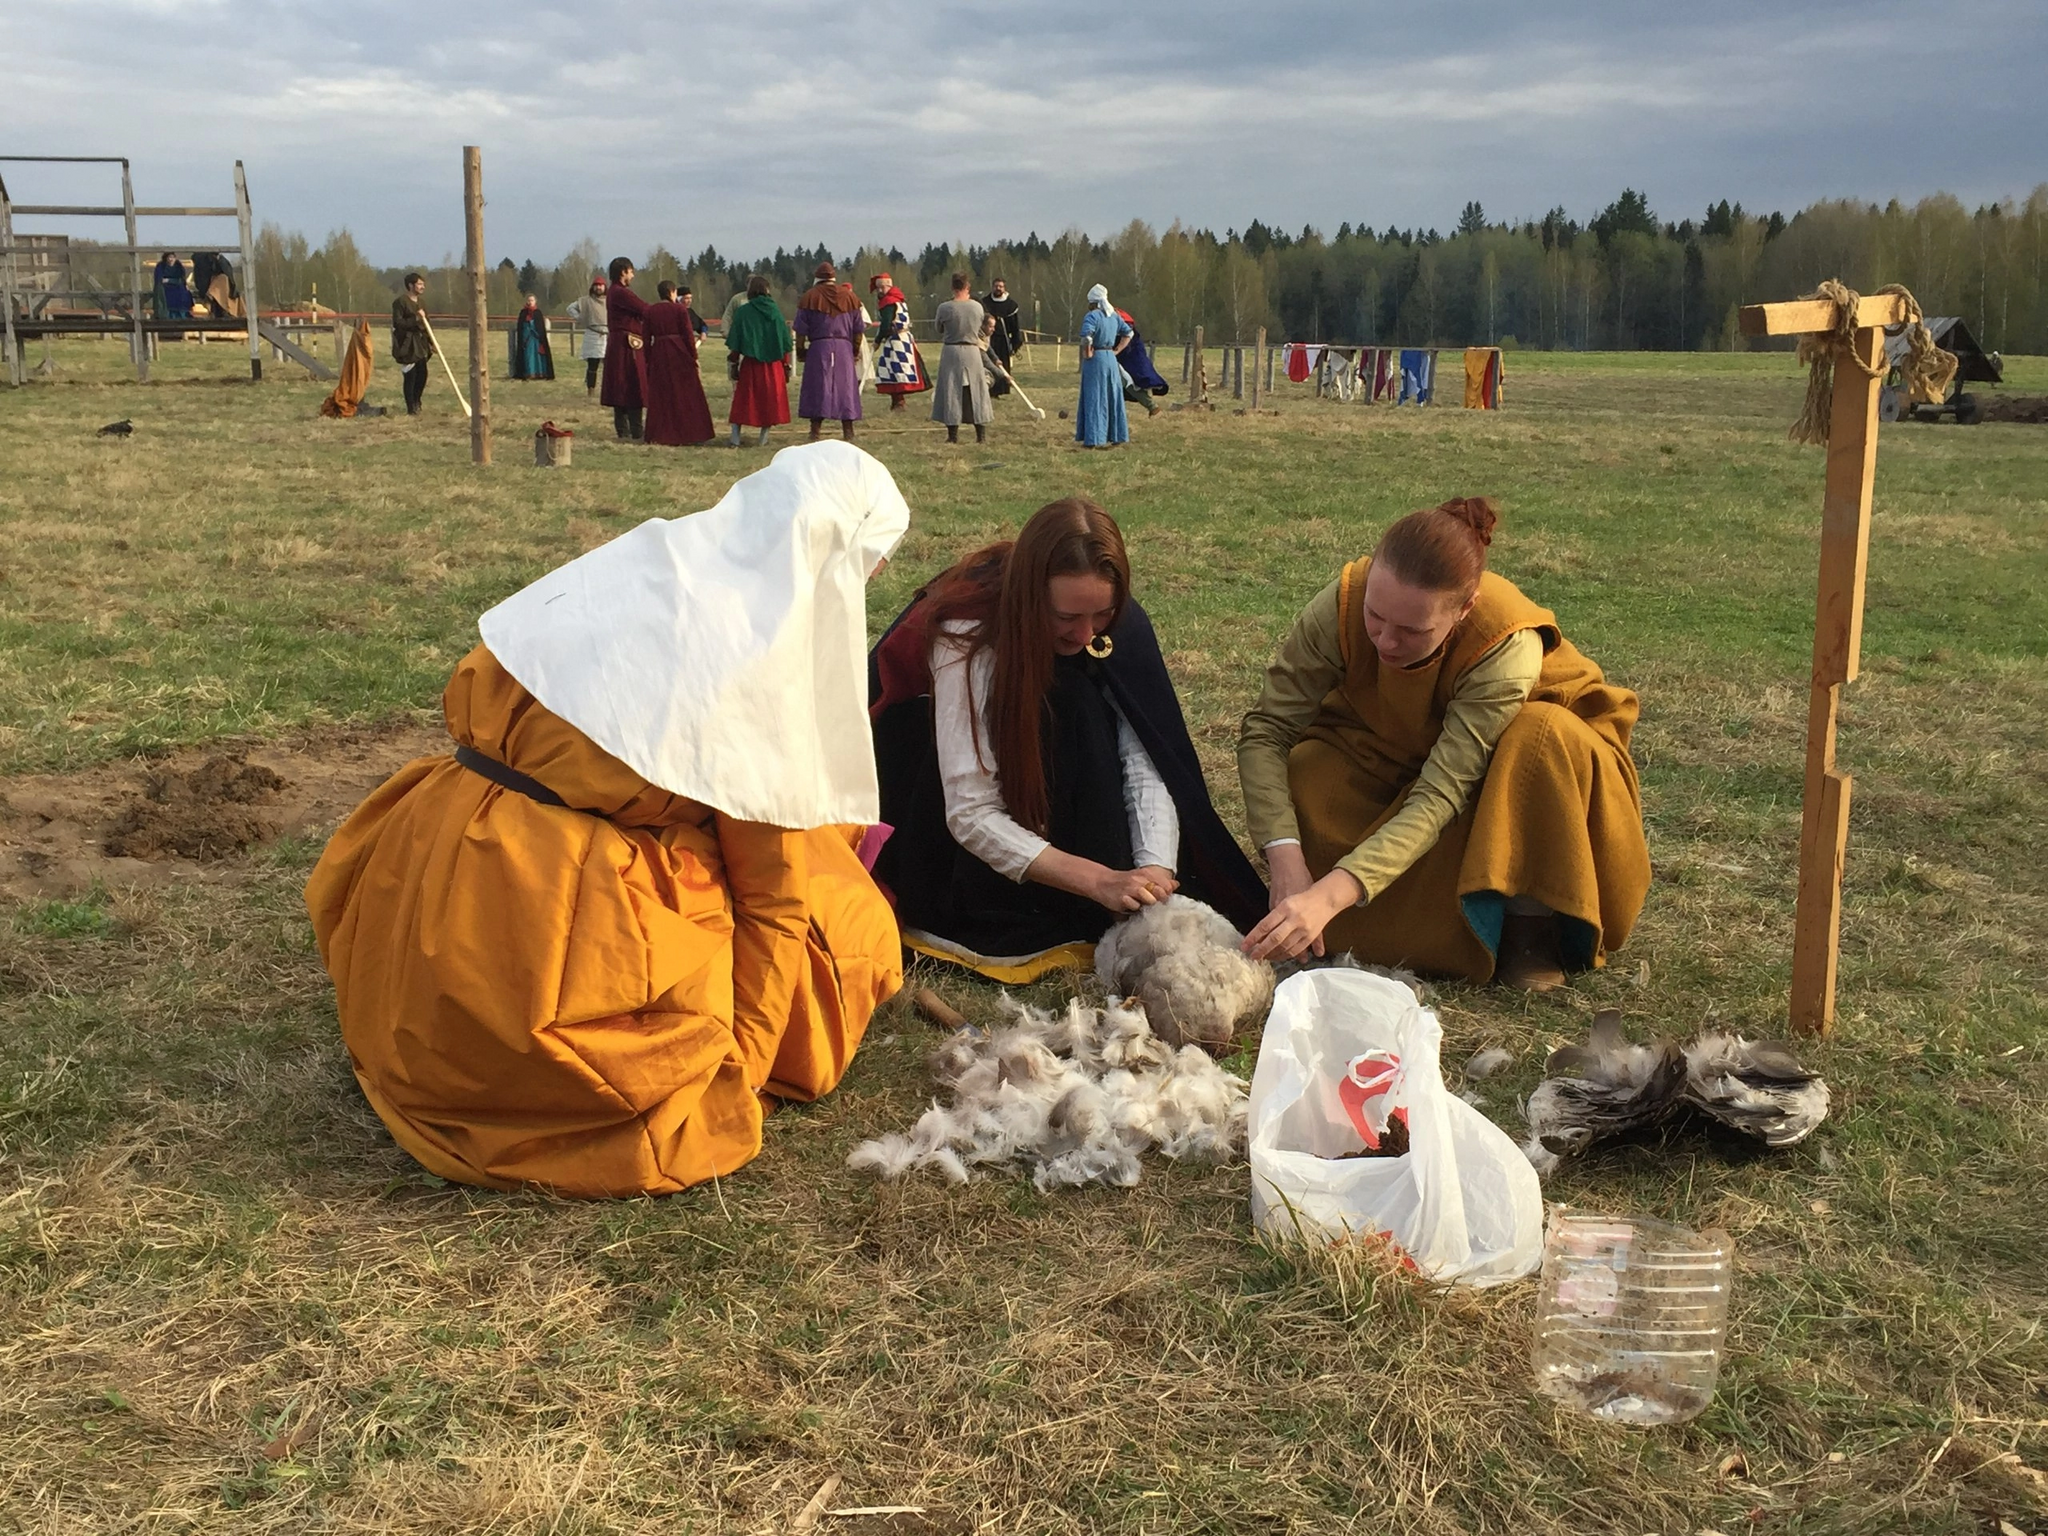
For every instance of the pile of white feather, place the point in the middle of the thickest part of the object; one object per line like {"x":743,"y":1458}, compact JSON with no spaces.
{"x":1077,"y":1097}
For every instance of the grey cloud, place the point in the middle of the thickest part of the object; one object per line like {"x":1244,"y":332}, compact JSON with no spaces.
{"x":787,"y":122}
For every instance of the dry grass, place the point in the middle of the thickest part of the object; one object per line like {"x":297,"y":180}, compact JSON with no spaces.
{"x":228,"y":1304}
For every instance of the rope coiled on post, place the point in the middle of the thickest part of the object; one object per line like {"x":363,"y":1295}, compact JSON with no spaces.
{"x":1927,"y":370}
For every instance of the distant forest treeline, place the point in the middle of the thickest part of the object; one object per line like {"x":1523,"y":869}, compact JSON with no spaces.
{"x":1622,"y":280}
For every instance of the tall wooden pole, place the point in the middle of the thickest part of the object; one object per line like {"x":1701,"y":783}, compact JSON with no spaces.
{"x":479,"y":313}
{"x":1258,"y":367}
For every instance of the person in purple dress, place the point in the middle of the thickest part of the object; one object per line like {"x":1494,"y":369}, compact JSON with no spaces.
{"x":828,"y":331}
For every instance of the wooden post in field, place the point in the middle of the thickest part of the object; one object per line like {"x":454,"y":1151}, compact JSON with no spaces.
{"x":1837,"y":635}
{"x":1198,"y":386}
{"x":138,"y":344}
{"x":479,"y":314}
{"x":1258,"y":368}
{"x":252,"y":309}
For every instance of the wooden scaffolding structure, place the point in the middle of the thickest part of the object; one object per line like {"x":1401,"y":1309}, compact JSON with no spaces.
{"x":137,"y":324}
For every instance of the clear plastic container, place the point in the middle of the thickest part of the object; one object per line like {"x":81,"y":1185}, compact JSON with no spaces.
{"x":1630,"y":1316}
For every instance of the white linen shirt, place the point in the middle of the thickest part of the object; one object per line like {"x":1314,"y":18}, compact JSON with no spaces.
{"x":975,"y":813}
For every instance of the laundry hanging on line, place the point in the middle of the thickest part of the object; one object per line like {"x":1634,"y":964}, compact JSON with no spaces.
{"x":1416,"y":371}
{"x":1483,"y":377}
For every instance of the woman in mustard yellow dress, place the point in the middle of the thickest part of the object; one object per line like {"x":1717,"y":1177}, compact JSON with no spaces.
{"x":1438,"y":777}
{"x":587,"y":947}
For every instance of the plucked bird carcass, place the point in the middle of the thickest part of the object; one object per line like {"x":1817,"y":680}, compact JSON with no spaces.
{"x":1756,"y":1087}
{"x":1610,"y":1086}
{"x":1607,"y":1087}
{"x":1181,"y":961}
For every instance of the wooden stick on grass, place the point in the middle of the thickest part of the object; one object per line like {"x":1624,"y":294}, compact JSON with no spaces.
{"x":937,"y":1010}
{"x":807,"y":1518}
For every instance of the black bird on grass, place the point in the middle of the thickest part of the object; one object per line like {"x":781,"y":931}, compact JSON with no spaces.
{"x":116,"y":429}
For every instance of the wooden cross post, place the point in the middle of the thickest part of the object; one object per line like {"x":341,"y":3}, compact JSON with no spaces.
{"x":1837,"y":635}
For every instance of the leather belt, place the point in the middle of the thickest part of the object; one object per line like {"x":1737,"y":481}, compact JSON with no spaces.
{"x":507,"y":777}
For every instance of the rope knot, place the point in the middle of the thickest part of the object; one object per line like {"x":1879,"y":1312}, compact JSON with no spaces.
{"x":1927,"y":371}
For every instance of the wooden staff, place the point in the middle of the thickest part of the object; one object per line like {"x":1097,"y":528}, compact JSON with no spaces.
{"x":446,"y":366}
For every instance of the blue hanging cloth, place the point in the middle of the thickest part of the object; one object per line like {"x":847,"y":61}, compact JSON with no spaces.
{"x":1415,"y":379}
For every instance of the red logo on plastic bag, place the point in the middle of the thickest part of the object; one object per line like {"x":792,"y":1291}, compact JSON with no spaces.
{"x":1363,"y":1092}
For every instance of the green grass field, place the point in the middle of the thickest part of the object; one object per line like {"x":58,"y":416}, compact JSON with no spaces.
{"x":228,"y":1304}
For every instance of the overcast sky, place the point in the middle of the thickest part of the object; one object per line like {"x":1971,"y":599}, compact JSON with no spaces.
{"x":790,"y":123}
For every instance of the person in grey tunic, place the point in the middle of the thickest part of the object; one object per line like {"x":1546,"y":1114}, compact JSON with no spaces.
{"x":962,"y":393}
{"x":589,"y":314}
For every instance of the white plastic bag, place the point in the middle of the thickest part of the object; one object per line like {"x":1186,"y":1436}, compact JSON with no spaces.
{"x":1463,"y":1204}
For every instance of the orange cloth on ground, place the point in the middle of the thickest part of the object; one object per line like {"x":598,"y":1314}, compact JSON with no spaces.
{"x":532,"y":994}
{"x":1558,"y":817}
{"x":355,"y":375}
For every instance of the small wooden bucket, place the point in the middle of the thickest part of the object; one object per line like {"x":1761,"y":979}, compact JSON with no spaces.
{"x":551,"y":446}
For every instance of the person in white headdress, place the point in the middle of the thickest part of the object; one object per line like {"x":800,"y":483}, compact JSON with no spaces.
{"x":1099,"y":420}
{"x":631,"y":908}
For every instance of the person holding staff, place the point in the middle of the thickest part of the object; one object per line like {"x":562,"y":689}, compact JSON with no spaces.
{"x":412,"y":347}
{"x":963,"y":372}
{"x":1033,"y":757}
{"x":1438,"y":777}
{"x":1099,"y":420}
{"x":1007,"y":340}
{"x":588,"y":947}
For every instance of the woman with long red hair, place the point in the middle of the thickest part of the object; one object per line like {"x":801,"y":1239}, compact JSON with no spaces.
{"x":1033,"y":758}
{"x":1438,"y":777}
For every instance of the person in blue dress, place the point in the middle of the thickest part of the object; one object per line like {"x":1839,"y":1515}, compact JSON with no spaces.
{"x":532,"y":357}
{"x":1099,"y":422}
{"x":173,"y":296}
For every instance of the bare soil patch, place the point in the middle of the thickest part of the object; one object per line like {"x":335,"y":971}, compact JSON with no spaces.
{"x":191,"y":814}
{"x":211,"y":812}
{"x":2014,"y":407}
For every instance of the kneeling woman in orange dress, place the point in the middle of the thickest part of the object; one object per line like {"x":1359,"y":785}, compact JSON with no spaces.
{"x":1439,"y":779}
{"x":582,"y":950}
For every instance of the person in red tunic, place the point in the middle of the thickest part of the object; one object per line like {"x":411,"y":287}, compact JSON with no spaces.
{"x":625,"y":354}
{"x":677,"y":412}
{"x":760,"y":341}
